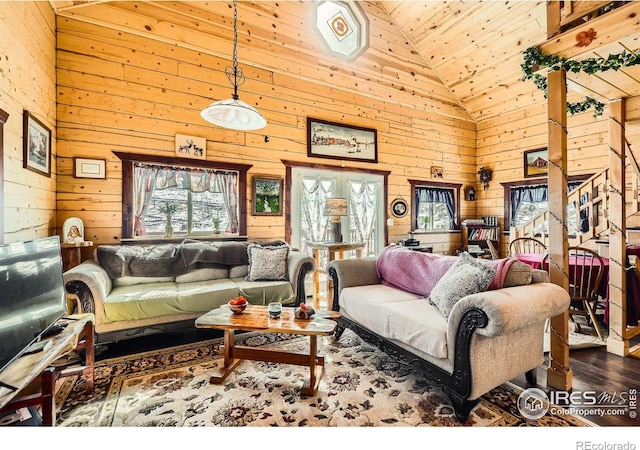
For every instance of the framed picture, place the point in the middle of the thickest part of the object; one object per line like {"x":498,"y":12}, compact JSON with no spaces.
{"x":536,"y":163}
{"x":89,"y":168}
{"x":399,"y":207}
{"x":339,"y":141}
{"x":73,"y":231}
{"x":191,"y":146}
{"x":36,"y":144}
{"x":267,"y":195}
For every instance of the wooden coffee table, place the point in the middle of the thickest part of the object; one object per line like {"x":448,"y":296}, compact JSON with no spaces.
{"x":256,"y":318}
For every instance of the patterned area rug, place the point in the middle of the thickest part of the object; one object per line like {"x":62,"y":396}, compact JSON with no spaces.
{"x":361,"y":387}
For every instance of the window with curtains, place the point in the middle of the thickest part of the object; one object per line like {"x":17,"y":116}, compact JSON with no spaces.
{"x":201,"y":190}
{"x":200,"y":195}
{"x":436,"y":206}
{"x":524,"y":201}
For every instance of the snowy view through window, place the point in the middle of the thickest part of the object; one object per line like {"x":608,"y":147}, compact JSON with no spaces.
{"x":197,"y":219}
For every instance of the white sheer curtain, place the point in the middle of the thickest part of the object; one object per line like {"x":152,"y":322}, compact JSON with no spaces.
{"x":363,"y":204}
{"x":314,"y":194}
{"x":227,"y":183}
{"x":144,"y":182}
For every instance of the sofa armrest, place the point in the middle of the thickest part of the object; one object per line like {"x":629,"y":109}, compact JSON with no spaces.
{"x":351,"y":272}
{"x":299,"y":266}
{"x":513,"y":308}
{"x":90,"y":283}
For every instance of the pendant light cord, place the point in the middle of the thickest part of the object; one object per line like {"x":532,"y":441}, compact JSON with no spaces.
{"x":234,"y":73}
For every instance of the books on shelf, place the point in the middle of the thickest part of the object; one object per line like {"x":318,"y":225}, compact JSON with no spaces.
{"x":482,"y":234}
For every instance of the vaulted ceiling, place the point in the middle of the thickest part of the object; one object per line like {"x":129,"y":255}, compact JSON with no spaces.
{"x":464,"y":54}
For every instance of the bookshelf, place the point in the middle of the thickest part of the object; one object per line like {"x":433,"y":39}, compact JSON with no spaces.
{"x":474,"y":238}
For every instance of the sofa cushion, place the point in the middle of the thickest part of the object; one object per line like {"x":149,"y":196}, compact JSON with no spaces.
{"x":467,"y":276}
{"x":362,"y":303}
{"x":204,"y":296}
{"x":265,"y":292}
{"x":418,"y":324}
{"x":203,"y":274}
{"x":140,"y":301}
{"x":268,"y":263}
{"x":239,"y":271}
{"x":519,"y":274}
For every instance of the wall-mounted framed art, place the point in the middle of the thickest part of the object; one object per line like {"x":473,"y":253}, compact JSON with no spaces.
{"x":536,"y":163}
{"x":191,"y":146}
{"x":267,"y":195}
{"x":340,"y":141}
{"x":36,"y":143}
{"x":89,"y":168}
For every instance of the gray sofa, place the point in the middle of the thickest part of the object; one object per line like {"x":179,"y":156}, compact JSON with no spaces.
{"x":489,"y":338}
{"x":139,"y":290}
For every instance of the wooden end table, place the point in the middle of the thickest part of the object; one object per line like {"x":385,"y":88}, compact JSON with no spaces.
{"x":334,"y":251}
{"x":256,"y":318}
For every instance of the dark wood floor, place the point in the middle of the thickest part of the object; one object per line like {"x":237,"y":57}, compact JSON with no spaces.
{"x":596,"y":370}
{"x":593,"y":368}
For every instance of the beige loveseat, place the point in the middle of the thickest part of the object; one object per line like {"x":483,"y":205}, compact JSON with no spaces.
{"x":140,"y":290}
{"x":489,"y":337}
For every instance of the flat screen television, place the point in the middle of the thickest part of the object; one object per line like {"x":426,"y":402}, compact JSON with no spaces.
{"x":32,"y":295}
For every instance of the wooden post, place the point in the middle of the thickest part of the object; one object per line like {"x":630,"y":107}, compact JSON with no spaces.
{"x":553,"y":18}
{"x":616,"y":343}
{"x":559,"y":375}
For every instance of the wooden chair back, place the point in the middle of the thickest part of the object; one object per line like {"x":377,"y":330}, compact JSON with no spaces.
{"x":586,"y":268}
{"x":493,"y":250}
{"x":526,"y":245}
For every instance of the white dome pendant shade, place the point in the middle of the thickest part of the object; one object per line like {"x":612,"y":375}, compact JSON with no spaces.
{"x":233,"y":113}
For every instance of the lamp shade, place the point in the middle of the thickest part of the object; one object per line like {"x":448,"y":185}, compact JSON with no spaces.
{"x":234,"y":114}
{"x":335,"y":207}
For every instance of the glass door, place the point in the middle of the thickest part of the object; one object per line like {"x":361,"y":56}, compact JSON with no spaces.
{"x":365,"y":220}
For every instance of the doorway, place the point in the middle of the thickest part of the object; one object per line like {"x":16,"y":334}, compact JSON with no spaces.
{"x":364,"y":222}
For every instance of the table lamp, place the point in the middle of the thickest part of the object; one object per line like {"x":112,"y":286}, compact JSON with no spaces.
{"x":335,"y":207}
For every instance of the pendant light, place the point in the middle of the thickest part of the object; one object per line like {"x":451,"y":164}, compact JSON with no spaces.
{"x":233,"y":113}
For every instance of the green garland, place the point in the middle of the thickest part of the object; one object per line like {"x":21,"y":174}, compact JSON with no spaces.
{"x":533,"y":57}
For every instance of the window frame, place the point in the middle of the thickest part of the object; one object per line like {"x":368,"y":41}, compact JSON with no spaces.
{"x":455,"y":187}
{"x":531,"y":182}
{"x":128,"y":161}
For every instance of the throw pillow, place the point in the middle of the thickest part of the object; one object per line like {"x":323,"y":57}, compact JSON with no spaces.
{"x":268,"y":263}
{"x":465,"y":277}
{"x":519,"y":274}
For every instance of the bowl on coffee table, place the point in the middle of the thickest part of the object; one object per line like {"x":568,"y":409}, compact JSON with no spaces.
{"x":238,"y":305}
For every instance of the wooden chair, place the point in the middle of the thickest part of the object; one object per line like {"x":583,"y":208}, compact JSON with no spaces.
{"x":493,"y":250}
{"x":526,"y":245}
{"x":585,"y":273}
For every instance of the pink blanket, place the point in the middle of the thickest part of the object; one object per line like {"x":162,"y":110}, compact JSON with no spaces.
{"x":419,"y":272}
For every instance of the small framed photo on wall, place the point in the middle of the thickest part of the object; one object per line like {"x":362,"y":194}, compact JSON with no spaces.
{"x":89,"y":168}
{"x":267,"y":195}
{"x":536,"y":163}
{"x":36,"y":142}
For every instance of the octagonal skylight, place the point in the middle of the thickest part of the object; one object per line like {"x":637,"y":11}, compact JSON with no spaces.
{"x":343,"y":27}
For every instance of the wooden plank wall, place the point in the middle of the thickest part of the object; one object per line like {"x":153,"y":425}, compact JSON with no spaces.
{"x":122,"y":92}
{"x":27,"y":81}
{"x":503,"y":140}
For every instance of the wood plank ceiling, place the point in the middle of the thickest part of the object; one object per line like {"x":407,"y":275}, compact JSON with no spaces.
{"x":466,"y":55}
